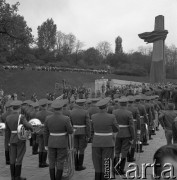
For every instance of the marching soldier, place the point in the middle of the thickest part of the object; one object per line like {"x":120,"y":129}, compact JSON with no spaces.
{"x":3,"y":119}
{"x":125,"y":136}
{"x":17,"y":146}
{"x":56,"y":128}
{"x":41,"y":115}
{"x":104,"y":125}
{"x":136,"y":118}
{"x":81,"y":123}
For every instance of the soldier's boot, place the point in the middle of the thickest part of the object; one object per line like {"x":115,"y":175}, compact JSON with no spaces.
{"x":35,"y":148}
{"x":121,"y":170}
{"x":31,"y":142}
{"x":80,"y":163}
{"x":98,"y":176}
{"x":141,"y":148}
{"x":131,"y":155}
{"x":7,"y":157}
{"x":59,"y":174}
{"x":76,"y":161}
{"x":12,"y":171}
{"x":44,"y":159}
{"x":40,"y":159}
{"x":52,"y":174}
{"x":18,"y":169}
{"x":116,"y":165}
{"x":150,"y":138}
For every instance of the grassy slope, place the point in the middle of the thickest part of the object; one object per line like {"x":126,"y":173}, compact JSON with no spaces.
{"x":42,"y":82}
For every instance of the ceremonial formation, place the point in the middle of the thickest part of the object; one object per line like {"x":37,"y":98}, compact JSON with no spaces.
{"x":59,"y":130}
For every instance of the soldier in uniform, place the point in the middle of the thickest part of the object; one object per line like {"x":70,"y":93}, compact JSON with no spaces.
{"x":33,"y":113}
{"x":125,"y":136}
{"x":81,"y":123}
{"x":41,"y":115}
{"x":104,"y":125}
{"x":17,"y":146}
{"x":66,"y":111}
{"x":136,"y":118}
{"x":56,"y":128}
{"x":3,"y":120}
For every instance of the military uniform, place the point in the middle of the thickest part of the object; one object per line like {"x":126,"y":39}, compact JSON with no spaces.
{"x":125,"y":136}
{"x":104,"y":126}
{"x":41,"y":115}
{"x":34,"y":137}
{"x":81,"y":123}
{"x":3,"y":119}
{"x":56,"y":128}
{"x":136,"y":118}
{"x":17,"y":146}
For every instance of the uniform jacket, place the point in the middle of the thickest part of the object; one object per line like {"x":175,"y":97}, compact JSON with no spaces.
{"x":166,"y":118}
{"x":57,"y":123}
{"x":41,"y":115}
{"x":125,"y":117}
{"x":4,"y":115}
{"x":104,"y":123}
{"x":11,"y":125}
{"x":79,"y":116}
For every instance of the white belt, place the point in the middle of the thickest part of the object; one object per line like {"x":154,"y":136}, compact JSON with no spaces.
{"x":141,"y":116}
{"x":79,"y":126}
{"x":123,"y":126}
{"x":58,"y":134}
{"x":14,"y":132}
{"x":103,"y":134}
{"x":134,"y":119}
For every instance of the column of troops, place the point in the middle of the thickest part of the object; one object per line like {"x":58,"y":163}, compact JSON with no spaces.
{"x":116,"y":128}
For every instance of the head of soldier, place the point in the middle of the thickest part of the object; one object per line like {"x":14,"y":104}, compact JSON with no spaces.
{"x":43,"y":103}
{"x":81,"y":102}
{"x":123,"y":102}
{"x":131,"y":100}
{"x":57,"y":105}
{"x":103,"y":104}
{"x":170,"y":106}
{"x":165,"y":162}
{"x":16,"y":105}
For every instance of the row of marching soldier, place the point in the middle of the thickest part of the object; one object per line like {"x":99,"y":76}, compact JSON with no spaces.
{"x":116,"y":128}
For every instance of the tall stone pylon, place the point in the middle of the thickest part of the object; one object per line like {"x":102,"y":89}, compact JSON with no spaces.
{"x":157,"y":37}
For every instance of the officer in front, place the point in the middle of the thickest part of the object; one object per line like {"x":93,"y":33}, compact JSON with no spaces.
{"x":125,"y":137}
{"x":104,"y":126}
{"x":56,"y":128}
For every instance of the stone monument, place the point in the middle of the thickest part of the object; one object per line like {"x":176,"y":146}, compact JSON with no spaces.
{"x":157,"y":37}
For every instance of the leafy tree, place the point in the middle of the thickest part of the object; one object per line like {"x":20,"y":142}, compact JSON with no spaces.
{"x":118,"y":48}
{"x":104,"y":48}
{"x":47,"y":35}
{"x":92,"y":57}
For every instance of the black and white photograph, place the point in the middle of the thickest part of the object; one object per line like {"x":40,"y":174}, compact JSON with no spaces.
{"x":88,"y":89}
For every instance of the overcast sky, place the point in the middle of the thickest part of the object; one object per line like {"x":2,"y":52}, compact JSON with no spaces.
{"x":92,"y":21}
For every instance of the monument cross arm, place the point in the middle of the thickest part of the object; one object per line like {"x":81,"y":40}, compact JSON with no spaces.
{"x":157,"y":37}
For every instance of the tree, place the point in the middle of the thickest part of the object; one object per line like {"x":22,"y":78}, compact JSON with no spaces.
{"x":79,"y":45}
{"x":145,"y":50}
{"x":47,"y":35}
{"x":12,"y":25}
{"x":92,"y":57}
{"x":104,"y":48}
{"x":118,"y":48}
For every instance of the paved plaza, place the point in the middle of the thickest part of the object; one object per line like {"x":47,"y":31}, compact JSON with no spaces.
{"x":32,"y":172}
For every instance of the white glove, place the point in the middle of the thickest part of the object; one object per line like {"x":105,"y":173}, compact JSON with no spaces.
{"x":46,"y":148}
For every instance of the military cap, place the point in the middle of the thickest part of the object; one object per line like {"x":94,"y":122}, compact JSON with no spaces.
{"x":35,"y":104}
{"x":49,"y":102}
{"x":27,"y":102}
{"x":130,"y":98}
{"x":43,"y":102}
{"x":16,"y":103}
{"x":116,"y":100}
{"x":88,"y":101}
{"x":138,"y":97}
{"x":123,"y":100}
{"x":80,"y":101}
{"x":8,"y":103}
{"x":143,"y":97}
{"x":58,"y":104}
{"x":102,"y":102}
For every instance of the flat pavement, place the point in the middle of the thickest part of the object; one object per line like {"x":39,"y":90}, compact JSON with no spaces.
{"x":32,"y":172}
